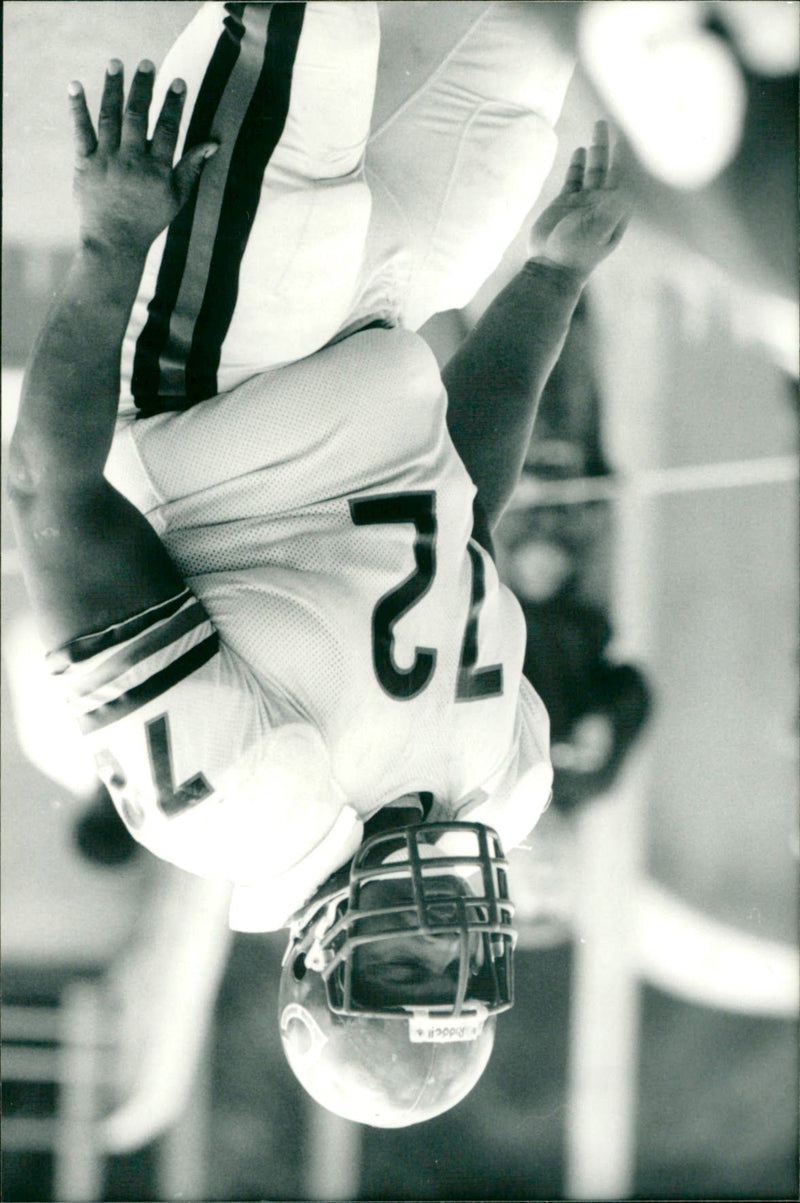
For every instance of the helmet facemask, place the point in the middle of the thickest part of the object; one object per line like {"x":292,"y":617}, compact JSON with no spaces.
{"x":423,"y":927}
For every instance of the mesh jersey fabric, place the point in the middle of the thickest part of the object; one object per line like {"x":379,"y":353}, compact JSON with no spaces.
{"x":190,"y":748}
{"x":265,"y":499}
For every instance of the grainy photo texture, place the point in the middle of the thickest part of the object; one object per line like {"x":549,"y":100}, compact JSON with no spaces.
{"x":399,"y":600}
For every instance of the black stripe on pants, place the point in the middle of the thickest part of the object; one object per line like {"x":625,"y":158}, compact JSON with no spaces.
{"x":153,"y":338}
{"x":259,"y":134}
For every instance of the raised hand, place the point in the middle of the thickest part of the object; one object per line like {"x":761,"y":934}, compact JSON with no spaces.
{"x":588,"y":217}
{"x":126,"y":187}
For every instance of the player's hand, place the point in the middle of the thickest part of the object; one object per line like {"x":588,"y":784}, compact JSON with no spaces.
{"x":126,"y":186}
{"x":588,"y":217}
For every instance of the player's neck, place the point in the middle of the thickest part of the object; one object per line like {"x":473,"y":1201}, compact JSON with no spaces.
{"x":402,"y":812}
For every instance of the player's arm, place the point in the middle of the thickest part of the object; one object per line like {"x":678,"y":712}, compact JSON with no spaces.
{"x":495,"y":380}
{"x":89,"y":557}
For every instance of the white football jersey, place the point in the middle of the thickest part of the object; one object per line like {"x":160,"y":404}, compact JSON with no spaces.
{"x":343,"y":641}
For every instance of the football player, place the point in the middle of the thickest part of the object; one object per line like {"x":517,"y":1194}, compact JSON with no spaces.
{"x":271,"y":595}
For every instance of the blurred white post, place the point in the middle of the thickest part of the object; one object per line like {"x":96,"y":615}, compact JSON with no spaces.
{"x":183,"y":1151}
{"x":604,"y":1020}
{"x":333,"y":1154}
{"x":78,"y":1155}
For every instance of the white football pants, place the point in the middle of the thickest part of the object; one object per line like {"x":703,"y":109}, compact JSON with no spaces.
{"x":372,"y":166}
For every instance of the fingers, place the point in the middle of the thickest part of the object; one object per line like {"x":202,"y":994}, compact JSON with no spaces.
{"x":620,"y":168}
{"x":83,"y":130}
{"x":165,"y":134}
{"x":134,"y":124}
{"x":598,"y":158}
{"x":592,"y":170}
{"x":577,"y":165}
{"x":187,"y":172}
{"x":110,"y":117}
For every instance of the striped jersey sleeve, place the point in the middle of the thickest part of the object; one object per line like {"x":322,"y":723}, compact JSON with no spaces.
{"x":114,"y":672}
{"x":169,"y":713}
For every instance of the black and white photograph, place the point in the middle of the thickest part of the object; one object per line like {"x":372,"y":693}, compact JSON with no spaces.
{"x":400,"y":582}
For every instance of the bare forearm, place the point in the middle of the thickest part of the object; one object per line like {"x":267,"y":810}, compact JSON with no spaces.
{"x":90,"y":558}
{"x":495,"y":380}
{"x":71,"y":389}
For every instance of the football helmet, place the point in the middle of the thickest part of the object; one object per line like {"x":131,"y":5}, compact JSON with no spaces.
{"x":395,"y":972}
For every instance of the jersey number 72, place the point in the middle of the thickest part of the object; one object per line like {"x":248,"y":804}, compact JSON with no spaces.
{"x":472,"y":683}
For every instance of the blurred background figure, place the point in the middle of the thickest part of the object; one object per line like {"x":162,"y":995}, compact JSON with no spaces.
{"x":556,"y":558}
{"x":654,"y":545}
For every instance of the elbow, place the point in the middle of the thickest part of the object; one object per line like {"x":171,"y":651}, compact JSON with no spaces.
{"x":23,"y":480}
{"x":40,"y":468}
{"x":29,"y":497}
{"x":33,"y":470}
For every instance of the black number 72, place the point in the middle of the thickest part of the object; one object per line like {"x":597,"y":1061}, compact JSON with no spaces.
{"x":472,"y":683}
